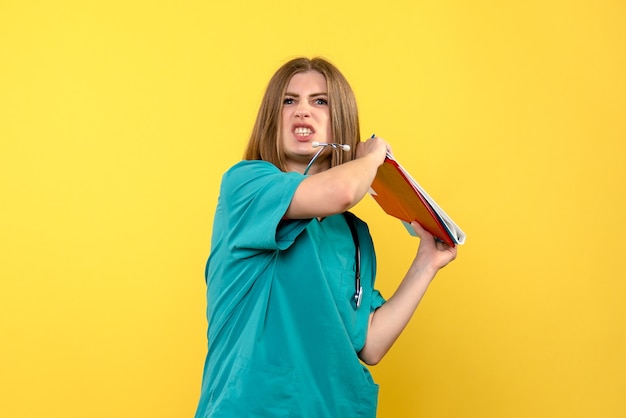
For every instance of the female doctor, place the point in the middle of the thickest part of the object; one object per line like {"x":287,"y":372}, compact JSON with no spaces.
{"x":292,"y":310}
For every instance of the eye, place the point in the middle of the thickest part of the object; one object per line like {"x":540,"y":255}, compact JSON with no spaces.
{"x":320,"y":101}
{"x":288,"y":101}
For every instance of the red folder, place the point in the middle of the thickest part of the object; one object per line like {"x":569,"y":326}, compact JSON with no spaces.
{"x":403,"y":198}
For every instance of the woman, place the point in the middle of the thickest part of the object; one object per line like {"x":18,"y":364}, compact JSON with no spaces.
{"x":289,"y":322}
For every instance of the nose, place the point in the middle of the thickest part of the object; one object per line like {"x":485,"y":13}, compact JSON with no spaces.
{"x":301,"y":114}
{"x":302,"y":111}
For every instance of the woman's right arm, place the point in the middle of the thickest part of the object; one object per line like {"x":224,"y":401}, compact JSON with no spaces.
{"x":339,"y":188}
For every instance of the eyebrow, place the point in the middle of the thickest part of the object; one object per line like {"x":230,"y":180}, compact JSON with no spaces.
{"x":310,"y":95}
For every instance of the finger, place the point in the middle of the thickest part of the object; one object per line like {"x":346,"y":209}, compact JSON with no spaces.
{"x":419,"y":230}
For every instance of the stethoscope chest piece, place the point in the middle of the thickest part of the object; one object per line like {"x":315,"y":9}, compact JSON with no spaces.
{"x":358,"y":296}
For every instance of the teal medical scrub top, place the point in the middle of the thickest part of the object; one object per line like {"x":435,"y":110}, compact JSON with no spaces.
{"x":283,"y":328}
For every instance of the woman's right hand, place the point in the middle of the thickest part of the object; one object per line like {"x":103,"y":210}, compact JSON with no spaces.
{"x":375,"y":146}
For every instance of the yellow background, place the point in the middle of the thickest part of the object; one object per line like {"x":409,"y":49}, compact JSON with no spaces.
{"x":118,"y":118}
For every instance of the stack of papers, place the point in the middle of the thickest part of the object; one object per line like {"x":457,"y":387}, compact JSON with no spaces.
{"x":403,"y":198}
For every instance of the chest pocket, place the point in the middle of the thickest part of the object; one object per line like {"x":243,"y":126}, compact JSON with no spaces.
{"x":342,"y":274}
{"x":337,"y":259}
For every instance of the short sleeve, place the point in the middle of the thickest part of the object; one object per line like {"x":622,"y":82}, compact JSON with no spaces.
{"x":254,"y":197}
{"x":377,"y":300}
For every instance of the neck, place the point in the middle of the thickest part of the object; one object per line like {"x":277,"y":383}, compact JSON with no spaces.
{"x":317,"y":167}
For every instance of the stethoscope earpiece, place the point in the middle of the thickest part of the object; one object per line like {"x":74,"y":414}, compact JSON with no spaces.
{"x":323,"y":146}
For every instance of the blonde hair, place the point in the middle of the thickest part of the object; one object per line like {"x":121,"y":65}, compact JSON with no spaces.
{"x":265,"y":142}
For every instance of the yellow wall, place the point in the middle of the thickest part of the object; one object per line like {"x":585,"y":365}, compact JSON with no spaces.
{"x":117,"y":120}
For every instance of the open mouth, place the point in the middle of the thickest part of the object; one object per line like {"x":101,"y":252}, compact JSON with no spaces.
{"x":303,"y":132}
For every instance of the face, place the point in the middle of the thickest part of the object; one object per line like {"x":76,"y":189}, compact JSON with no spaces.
{"x":305,"y":118}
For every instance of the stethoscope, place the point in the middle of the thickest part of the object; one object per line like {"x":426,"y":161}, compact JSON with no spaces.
{"x":350,"y":220}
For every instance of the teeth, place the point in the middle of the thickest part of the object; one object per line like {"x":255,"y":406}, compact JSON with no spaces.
{"x":302,"y":131}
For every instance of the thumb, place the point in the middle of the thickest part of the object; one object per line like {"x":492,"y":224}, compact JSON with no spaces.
{"x":420,"y":231}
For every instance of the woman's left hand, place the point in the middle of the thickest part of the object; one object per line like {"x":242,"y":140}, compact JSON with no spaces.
{"x":432,"y":253}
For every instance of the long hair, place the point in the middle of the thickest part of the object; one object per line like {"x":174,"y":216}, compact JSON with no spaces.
{"x":265,"y":142}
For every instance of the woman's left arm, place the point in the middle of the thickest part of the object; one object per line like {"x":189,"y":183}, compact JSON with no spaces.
{"x":387,"y":322}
